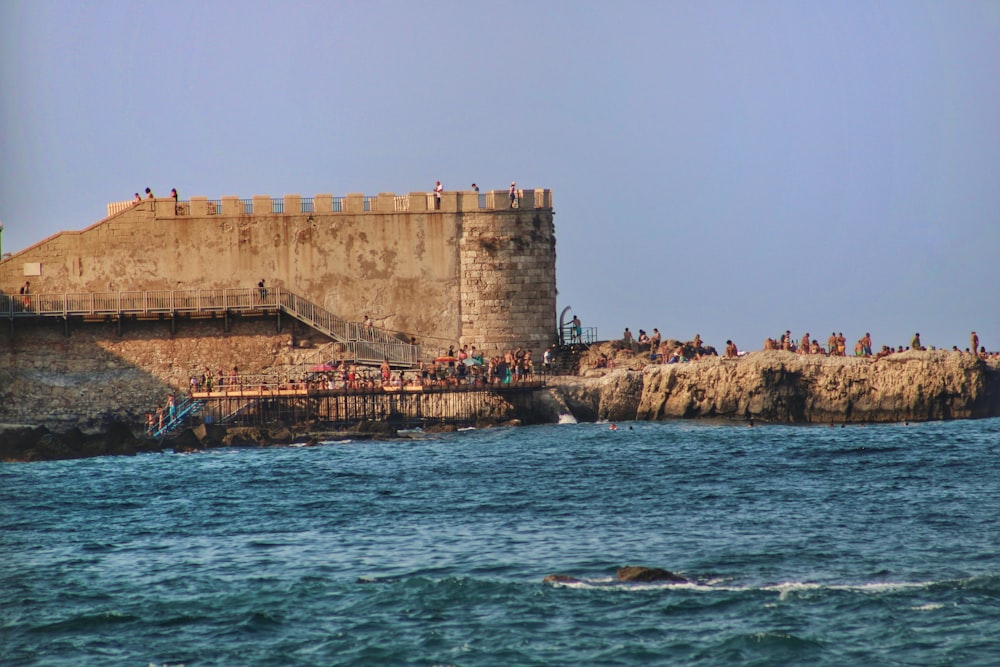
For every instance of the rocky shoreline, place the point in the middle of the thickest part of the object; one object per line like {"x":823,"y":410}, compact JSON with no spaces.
{"x":777,"y":386}
{"x":25,"y":444}
{"x":766,"y":386}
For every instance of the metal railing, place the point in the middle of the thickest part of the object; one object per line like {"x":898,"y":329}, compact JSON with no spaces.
{"x":365,"y":344}
{"x":185,"y":408}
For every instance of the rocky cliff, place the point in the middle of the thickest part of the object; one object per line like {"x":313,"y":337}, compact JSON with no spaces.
{"x":784,"y":387}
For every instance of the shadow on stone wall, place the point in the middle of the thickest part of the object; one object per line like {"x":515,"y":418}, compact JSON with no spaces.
{"x":94,"y":377}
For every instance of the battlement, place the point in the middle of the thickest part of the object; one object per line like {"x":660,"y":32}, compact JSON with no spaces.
{"x":456,"y":201}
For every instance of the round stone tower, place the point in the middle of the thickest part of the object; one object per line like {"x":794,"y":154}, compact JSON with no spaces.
{"x":508,"y":276}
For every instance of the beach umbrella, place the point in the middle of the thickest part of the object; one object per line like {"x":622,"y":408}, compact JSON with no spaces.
{"x":444,"y":360}
{"x":472,"y":361}
{"x":322,"y":368}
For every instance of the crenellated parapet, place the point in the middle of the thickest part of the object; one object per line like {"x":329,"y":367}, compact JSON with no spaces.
{"x":384,"y":202}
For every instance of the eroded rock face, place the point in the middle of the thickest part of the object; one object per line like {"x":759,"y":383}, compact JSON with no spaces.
{"x":784,"y":387}
{"x":639,"y":574}
{"x":40,"y":444}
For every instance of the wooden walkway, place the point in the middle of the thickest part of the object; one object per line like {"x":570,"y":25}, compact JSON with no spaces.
{"x":407,"y":405}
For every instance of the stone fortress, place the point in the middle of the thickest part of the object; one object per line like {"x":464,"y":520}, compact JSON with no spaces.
{"x":466,"y":269}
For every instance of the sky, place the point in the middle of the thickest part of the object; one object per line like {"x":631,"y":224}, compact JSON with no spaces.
{"x":732,"y":169}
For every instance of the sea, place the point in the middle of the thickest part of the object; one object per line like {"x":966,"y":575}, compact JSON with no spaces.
{"x":802,"y":545}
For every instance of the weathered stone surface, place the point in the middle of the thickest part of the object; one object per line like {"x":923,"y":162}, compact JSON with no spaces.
{"x":95,"y":376}
{"x":41,"y":444}
{"x":638,"y":573}
{"x":784,"y":387}
{"x":575,"y":396}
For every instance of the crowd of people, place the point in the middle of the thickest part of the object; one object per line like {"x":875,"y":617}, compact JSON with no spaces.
{"x":671,"y":351}
{"x":836,"y":346}
{"x":470,"y":366}
{"x":464,"y":367}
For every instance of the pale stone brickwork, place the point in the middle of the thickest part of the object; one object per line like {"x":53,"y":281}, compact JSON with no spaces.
{"x":473,"y":271}
{"x":94,"y":375}
{"x":508,"y":279}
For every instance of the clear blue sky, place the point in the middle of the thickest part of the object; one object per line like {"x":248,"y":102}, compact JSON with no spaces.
{"x":732,"y":169}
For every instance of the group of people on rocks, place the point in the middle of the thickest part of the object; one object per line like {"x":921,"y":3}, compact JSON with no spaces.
{"x":666,"y":351}
{"x":836,"y":346}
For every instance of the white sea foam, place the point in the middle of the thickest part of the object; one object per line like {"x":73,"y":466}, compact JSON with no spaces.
{"x":784,"y":589}
{"x":567,"y":419}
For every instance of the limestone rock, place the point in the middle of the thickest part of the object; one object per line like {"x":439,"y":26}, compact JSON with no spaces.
{"x":779,"y":386}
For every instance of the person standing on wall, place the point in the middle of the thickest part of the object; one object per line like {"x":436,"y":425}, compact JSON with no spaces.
{"x":513,"y":193}
{"x":438,"y":189}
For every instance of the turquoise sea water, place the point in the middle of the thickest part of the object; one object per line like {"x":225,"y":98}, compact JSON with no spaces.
{"x":874,"y":545}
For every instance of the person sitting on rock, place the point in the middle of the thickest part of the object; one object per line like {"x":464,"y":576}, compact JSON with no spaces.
{"x":731,"y":351}
{"x":654,"y":340}
{"x":643,"y":340}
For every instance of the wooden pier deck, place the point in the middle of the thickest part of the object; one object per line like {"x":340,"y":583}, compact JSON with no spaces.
{"x":406,"y":405}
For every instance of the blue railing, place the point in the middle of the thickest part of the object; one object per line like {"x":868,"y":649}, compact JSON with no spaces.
{"x":187,"y":407}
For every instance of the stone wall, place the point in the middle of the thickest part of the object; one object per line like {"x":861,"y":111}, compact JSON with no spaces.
{"x":94,"y":375}
{"x":473,"y":270}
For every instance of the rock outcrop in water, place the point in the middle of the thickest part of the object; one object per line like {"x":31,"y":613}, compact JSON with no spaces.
{"x":634,"y":574}
{"x":777,"y":386}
